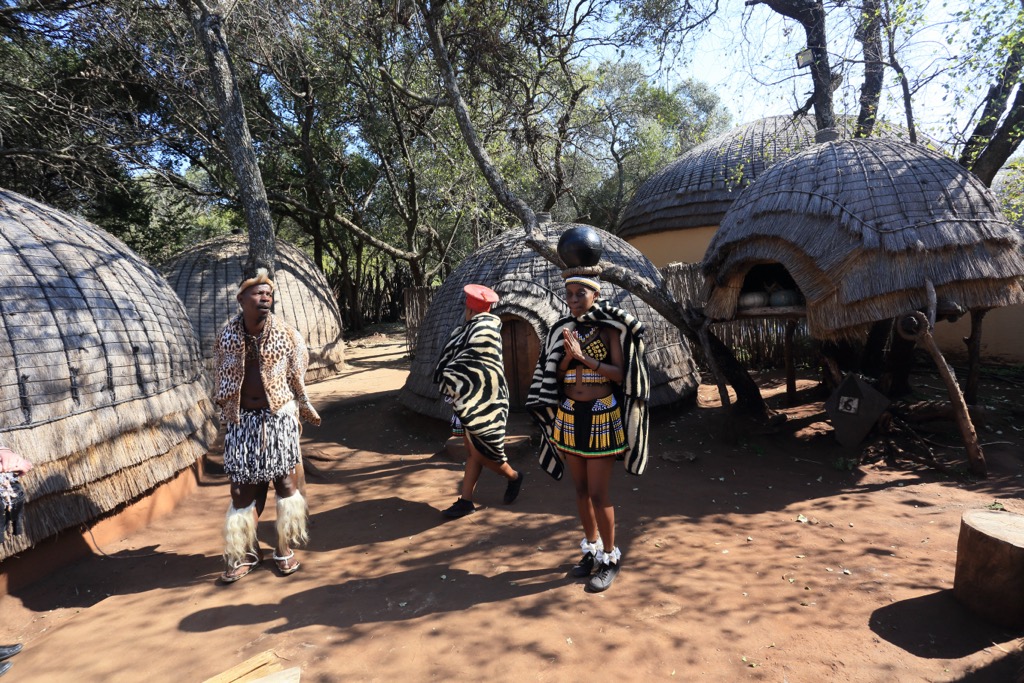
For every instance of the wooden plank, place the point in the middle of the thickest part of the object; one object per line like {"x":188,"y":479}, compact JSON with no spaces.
{"x":291,"y":675}
{"x":253,"y":669}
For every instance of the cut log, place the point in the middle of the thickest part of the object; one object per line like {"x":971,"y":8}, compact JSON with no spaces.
{"x":989,"y":577}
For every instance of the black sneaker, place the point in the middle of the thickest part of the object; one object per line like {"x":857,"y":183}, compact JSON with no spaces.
{"x":459,"y":508}
{"x":602,"y":580}
{"x":584,"y":566}
{"x":512,"y":490}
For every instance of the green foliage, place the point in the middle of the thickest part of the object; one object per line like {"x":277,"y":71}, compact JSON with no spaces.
{"x":1009,"y":188}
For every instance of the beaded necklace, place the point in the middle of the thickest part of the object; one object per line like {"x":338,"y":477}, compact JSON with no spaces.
{"x":252,"y":344}
{"x":584,"y":334}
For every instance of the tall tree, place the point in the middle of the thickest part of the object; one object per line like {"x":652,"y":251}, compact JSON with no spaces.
{"x":207,"y":17}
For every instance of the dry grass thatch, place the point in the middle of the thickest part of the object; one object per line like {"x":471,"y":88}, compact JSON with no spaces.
{"x":860,"y":225}
{"x":100,"y":373}
{"x":697,"y":188}
{"x":206,"y":278}
{"x":533,"y":289}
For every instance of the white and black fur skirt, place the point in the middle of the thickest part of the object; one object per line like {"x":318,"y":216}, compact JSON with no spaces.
{"x":262,"y":446}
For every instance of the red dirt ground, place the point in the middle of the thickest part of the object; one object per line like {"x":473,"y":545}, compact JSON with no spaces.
{"x":720,"y":581}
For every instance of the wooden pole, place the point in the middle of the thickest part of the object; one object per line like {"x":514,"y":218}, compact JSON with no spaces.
{"x":790,"y":365}
{"x":974,"y":356}
{"x":914,"y":326}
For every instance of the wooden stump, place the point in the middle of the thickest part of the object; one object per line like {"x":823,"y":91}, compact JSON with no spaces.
{"x":989,"y":576}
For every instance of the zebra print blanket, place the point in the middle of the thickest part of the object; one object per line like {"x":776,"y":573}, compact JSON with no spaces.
{"x":635,"y":389}
{"x":471,"y":372}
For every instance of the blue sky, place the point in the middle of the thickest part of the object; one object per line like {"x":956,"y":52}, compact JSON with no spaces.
{"x":748,"y":57}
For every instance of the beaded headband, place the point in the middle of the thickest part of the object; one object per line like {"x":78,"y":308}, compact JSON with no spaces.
{"x":590,"y":282}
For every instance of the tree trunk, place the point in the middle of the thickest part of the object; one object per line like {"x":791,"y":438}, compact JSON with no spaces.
{"x":811,"y":15}
{"x":869,"y":33}
{"x":991,"y":144}
{"x":241,"y":153}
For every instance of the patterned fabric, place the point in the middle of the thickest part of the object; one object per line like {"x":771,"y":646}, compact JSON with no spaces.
{"x":457,"y":428}
{"x":12,"y":504}
{"x":261,"y":446}
{"x":471,"y":372}
{"x":283,"y":359}
{"x":589,"y":429}
{"x":635,"y":389}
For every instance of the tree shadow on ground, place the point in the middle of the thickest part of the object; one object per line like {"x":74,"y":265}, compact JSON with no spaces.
{"x":411,"y":594}
{"x":98,"y":577}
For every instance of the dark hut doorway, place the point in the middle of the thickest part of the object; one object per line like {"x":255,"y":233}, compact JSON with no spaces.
{"x":521,"y":348}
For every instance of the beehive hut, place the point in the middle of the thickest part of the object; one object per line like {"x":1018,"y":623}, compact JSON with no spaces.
{"x":206,"y":278}
{"x":532,"y":295}
{"x":100,"y":372}
{"x":1000,"y":341}
{"x":673,"y":216}
{"x":860,"y":226}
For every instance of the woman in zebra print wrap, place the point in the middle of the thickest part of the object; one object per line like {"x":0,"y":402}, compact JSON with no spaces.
{"x":472,"y":376}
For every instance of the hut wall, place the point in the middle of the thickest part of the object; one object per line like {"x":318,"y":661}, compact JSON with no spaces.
{"x":674,"y":246}
{"x":101,"y":384}
{"x":1000,"y":336}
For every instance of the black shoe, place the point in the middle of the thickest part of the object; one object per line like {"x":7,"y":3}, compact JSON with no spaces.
{"x":584,"y":566}
{"x":512,"y":490}
{"x":459,"y":508}
{"x":8,"y":651}
{"x":602,"y":580}
{"x":4,"y":667}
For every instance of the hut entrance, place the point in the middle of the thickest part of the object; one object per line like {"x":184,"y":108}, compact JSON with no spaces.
{"x":521,"y":348}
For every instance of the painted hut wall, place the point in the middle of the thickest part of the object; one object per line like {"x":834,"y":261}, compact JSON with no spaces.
{"x":532,"y":289}
{"x":206,"y":278}
{"x":100,"y":372}
{"x":1001,"y":331}
{"x":861,"y":225}
{"x":684,"y":246}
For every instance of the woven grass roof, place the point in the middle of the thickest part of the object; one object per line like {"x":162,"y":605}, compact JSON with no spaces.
{"x":860,"y":225}
{"x":533,"y":289}
{"x":100,"y":372}
{"x":206,"y":278}
{"x":697,"y":189}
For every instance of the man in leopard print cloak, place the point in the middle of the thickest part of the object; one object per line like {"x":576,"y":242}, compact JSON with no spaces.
{"x":260,"y":388}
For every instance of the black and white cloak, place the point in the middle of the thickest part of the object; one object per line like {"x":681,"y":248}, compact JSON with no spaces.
{"x":471,"y":372}
{"x":545,"y":390}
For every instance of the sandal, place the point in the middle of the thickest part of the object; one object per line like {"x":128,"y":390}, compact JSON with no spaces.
{"x":227,"y":577}
{"x":286,"y":569}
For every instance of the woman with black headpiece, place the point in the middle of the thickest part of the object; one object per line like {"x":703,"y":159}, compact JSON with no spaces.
{"x":589,"y":396}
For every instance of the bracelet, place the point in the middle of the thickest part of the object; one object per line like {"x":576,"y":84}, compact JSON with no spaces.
{"x":598,"y":366}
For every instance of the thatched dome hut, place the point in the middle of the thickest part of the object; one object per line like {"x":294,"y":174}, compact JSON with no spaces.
{"x":532,"y":299}
{"x":860,"y":226}
{"x":206,"y":278}
{"x":673,"y":215}
{"x":100,"y":372}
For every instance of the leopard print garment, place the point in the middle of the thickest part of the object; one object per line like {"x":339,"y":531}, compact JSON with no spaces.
{"x":283,"y":359}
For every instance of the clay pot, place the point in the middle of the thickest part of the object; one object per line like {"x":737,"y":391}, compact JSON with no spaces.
{"x":580,"y":246}
{"x":752,"y":300}
{"x":785,"y":297}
